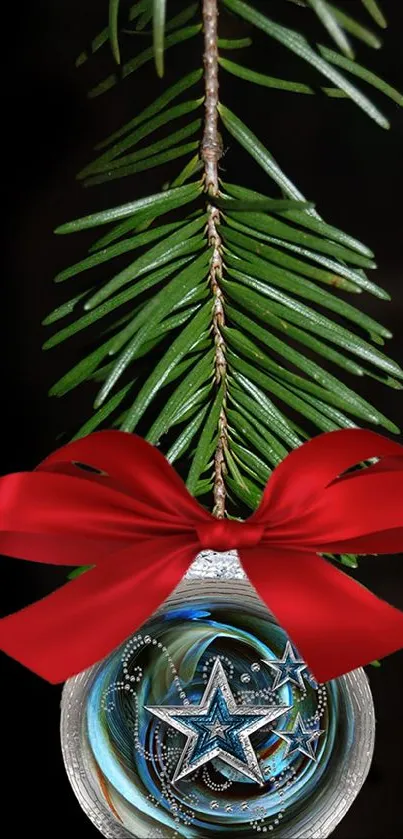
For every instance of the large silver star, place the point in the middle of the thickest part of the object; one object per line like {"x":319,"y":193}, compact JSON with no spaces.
{"x":218,"y":728}
{"x":299,"y":739}
{"x":289,"y":668}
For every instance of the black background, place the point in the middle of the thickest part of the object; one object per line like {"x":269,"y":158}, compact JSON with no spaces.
{"x":337,"y":156}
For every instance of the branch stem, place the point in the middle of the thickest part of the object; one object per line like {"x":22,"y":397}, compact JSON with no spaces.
{"x":211,"y":152}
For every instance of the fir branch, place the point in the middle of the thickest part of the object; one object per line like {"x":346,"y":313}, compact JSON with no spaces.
{"x":211,"y":152}
{"x":233,"y":300}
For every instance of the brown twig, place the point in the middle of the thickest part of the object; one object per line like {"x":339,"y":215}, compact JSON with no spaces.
{"x":211,"y":151}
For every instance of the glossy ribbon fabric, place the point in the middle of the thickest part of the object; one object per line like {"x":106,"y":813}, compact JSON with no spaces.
{"x":135,"y":521}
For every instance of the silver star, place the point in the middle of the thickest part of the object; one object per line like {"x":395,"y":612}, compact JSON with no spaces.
{"x":299,"y":739}
{"x":289,"y":668}
{"x":236,"y":723}
{"x":217,"y":729}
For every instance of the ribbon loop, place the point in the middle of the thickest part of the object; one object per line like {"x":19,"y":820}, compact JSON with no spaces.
{"x":227,"y":534}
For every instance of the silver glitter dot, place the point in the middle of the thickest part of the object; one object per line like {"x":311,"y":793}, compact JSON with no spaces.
{"x":245,"y":678}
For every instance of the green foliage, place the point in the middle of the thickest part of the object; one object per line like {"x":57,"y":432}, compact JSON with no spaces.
{"x":329,"y":17}
{"x":375,"y":11}
{"x":297,"y":44}
{"x":113,"y":29}
{"x":239,"y":363}
{"x":159,"y":13}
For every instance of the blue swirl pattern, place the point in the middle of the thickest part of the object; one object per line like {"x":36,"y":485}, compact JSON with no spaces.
{"x":134,"y":754}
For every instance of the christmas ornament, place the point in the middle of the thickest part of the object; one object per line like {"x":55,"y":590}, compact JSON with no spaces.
{"x":112,"y":500}
{"x":212,"y":718}
{"x":207,"y":721}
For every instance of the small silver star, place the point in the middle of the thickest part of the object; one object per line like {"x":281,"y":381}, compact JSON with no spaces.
{"x":289,"y":668}
{"x":299,"y":739}
{"x":218,"y":728}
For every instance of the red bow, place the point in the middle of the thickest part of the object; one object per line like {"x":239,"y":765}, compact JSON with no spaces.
{"x":137,"y":523}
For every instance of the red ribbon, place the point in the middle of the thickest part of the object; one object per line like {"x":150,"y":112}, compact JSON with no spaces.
{"x":137,"y":523}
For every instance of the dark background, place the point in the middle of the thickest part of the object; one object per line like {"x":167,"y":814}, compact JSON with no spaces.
{"x":337,"y":156}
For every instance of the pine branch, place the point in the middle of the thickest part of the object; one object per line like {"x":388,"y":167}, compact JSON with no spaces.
{"x":211,"y":152}
{"x":233,"y":301}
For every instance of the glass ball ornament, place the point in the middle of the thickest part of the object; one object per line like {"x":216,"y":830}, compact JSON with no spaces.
{"x":206,"y":722}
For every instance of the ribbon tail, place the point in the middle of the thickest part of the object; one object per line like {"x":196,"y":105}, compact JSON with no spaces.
{"x":336,"y":624}
{"x":83,"y":621}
